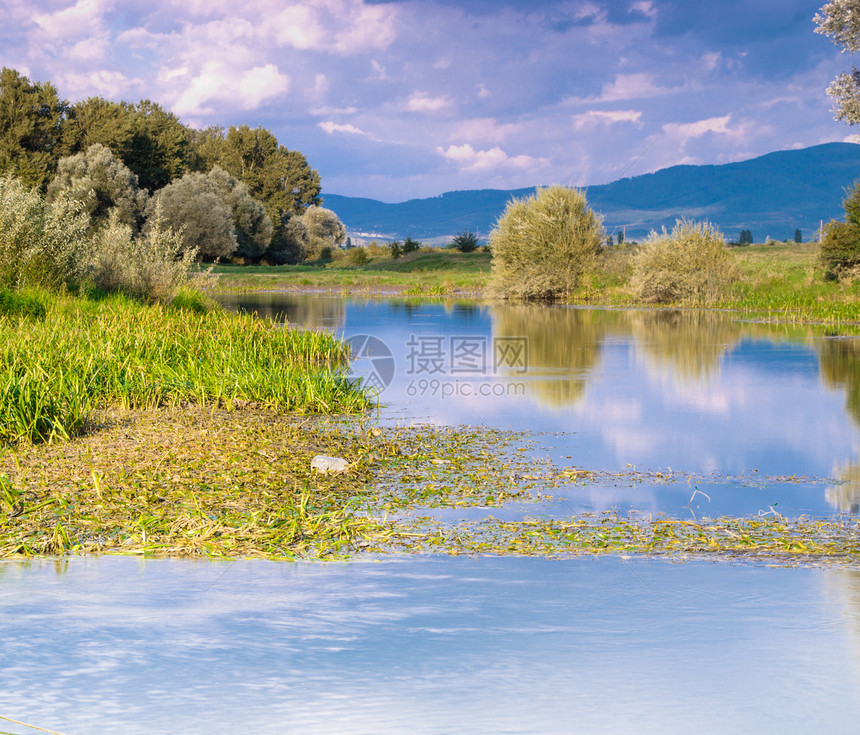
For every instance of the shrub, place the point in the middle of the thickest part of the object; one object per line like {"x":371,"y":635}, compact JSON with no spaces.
{"x":543,"y":244}
{"x":690,"y":264}
{"x":188,"y":205}
{"x":410,"y":246}
{"x":357,"y":256}
{"x":840,"y":246}
{"x":102,"y":183}
{"x":41,"y":244}
{"x":325,"y":230}
{"x":154,"y":267}
{"x":466,"y":242}
{"x":395,"y":249}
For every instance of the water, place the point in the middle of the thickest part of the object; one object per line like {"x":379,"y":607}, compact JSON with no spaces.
{"x":499,"y":645}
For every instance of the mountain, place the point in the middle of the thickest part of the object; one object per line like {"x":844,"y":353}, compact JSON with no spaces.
{"x":771,"y":195}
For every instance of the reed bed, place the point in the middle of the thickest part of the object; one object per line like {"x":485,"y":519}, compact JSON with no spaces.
{"x":59,"y":364}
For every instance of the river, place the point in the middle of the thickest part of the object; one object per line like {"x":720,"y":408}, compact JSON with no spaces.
{"x":761,"y":419}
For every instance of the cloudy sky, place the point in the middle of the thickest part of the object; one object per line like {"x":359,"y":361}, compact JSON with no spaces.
{"x":395,"y":99}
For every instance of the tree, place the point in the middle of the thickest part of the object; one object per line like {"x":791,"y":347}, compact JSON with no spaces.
{"x":466,"y":242}
{"x":188,"y":205}
{"x":543,"y":244}
{"x":620,"y":237}
{"x":324,"y":228}
{"x":146,"y":138}
{"x":798,"y":236}
{"x":691,"y":263}
{"x":103,"y":184}
{"x":251,"y":224}
{"x":31,"y":120}
{"x":745,"y":238}
{"x":840,"y":20}
{"x":840,"y":247}
{"x":410,"y":245}
{"x":280,"y":178}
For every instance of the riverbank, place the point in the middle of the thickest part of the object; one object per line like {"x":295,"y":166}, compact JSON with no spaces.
{"x":778,"y":281}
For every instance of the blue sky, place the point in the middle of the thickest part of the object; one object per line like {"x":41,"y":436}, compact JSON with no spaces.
{"x":395,"y":100}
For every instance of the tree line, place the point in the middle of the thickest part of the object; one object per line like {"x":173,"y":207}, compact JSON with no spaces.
{"x":232,"y":192}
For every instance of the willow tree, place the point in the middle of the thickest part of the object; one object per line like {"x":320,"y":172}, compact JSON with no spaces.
{"x":543,"y":244}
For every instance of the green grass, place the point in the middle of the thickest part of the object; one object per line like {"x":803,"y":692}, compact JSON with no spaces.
{"x":57,"y":366}
{"x":437,"y":273}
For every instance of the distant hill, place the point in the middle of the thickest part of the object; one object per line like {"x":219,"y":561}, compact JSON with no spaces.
{"x":771,"y":195}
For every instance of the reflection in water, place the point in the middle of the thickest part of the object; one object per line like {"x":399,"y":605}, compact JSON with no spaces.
{"x":840,"y":368}
{"x":563,"y":348}
{"x":317,"y":312}
{"x":688,"y":343}
{"x":846,"y":497}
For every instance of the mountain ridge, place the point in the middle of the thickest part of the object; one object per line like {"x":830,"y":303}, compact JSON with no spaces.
{"x":771,"y":195}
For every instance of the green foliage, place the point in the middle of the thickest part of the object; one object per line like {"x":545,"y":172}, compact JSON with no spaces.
{"x":840,"y":20}
{"x":357,"y":256}
{"x":149,"y":140}
{"x":410,"y":246}
{"x":41,"y":244}
{"x":798,"y":236}
{"x":152,"y":268}
{"x":278,"y":177}
{"x":28,"y":303}
{"x":54,"y":371}
{"x":190,"y":206}
{"x":395,"y":249}
{"x":745,"y":238}
{"x":543,"y":244}
{"x":840,"y":246}
{"x":465,"y":242}
{"x":690,"y":264}
{"x":324,"y":230}
{"x":102,"y":184}
{"x":31,"y":119}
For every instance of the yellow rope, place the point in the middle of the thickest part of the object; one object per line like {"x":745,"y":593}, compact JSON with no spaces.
{"x":9,"y":719}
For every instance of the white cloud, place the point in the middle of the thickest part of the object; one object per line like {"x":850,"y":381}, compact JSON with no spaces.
{"x":495,"y":158}
{"x":218,"y":82}
{"x":332,"y":127}
{"x":344,"y":27}
{"x":300,"y":26}
{"x":606,"y":117}
{"x":80,"y":19}
{"x":420,"y":102}
{"x":631,"y":86}
{"x":685,"y":131}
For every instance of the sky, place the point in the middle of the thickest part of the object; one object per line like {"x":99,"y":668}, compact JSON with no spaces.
{"x":395,"y":100}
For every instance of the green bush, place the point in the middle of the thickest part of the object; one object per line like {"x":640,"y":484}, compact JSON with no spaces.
{"x":840,"y":246}
{"x":357,"y":256}
{"x":465,"y":242}
{"x":410,"y":246}
{"x":691,"y":263}
{"x":43,"y":245}
{"x":153,"y":267}
{"x":543,"y":244}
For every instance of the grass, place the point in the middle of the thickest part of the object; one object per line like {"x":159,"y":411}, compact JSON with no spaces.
{"x":212,"y":483}
{"x":444,"y":272}
{"x":779,"y":281}
{"x":60,"y":361}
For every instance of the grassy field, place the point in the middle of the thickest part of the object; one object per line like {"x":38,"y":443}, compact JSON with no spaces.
{"x":439,"y":273}
{"x":778,"y":281}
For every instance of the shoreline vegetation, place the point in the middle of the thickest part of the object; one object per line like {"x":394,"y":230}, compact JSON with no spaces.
{"x":776,"y":281}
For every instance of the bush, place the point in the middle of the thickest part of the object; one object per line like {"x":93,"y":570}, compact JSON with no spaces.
{"x":543,"y":244}
{"x":103,"y":184}
{"x":357,"y":256}
{"x":154,"y":267}
{"x":690,"y":264}
{"x":840,"y":246}
{"x":395,"y":249}
{"x":410,"y":246}
{"x":41,"y":244}
{"x":465,"y":242}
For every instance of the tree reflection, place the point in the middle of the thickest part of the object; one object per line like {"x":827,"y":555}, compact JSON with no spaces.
{"x":564,"y":347}
{"x":316,"y":312}
{"x":840,"y":368}
{"x":846,"y":497}
{"x":689,"y":344}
